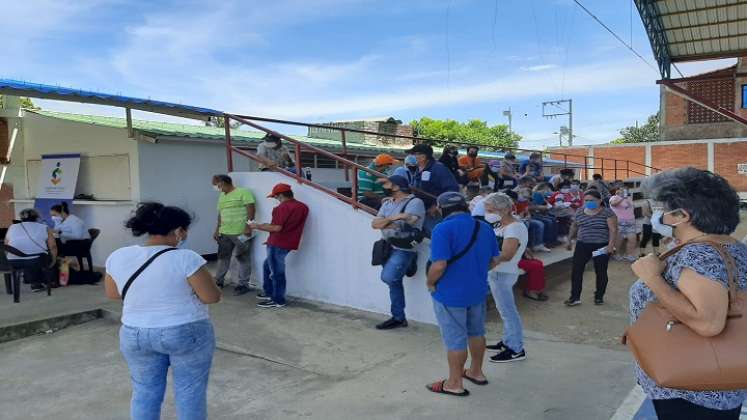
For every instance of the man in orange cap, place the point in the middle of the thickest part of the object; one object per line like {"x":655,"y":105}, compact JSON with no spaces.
{"x":286,"y":228}
{"x":370,"y":190}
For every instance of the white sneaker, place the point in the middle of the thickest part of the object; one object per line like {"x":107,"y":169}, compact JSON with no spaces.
{"x":541,"y":248}
{"x":563,"y":239}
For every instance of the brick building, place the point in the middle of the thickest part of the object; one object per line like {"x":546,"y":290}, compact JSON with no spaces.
{"x":382,"y":125}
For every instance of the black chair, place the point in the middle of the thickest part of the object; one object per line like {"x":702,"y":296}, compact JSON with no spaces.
{"x":81,"y":249}
{"x":20,"y":268}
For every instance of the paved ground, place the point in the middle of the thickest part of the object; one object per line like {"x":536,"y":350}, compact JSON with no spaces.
{"x":322,"y":362}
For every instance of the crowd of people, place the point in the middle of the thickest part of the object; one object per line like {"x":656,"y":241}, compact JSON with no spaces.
{"x":481,"y":241}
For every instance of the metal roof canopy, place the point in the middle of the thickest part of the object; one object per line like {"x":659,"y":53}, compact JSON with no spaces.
{"x":35,"y":90}
{"x":692,"y":30}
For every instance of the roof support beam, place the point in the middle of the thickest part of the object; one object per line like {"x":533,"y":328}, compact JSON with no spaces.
{"x":680,"y":91}
{"x":702,"y":25}
{"x":705,"y":9}
{"x":652,"y":22}
{"x":713,"y":38}
{"x":130,"y":131}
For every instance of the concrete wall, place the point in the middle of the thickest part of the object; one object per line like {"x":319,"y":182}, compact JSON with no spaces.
{"x":333,"y":264}
{"x":180,"y":174}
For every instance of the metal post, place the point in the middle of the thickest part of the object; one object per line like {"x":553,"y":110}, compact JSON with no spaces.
{"x":602,"y":167}
{"x":570,"y":122}
{"x":229,"y":146}
{"x":586,"y":167}
{"x":627,"y":169}
{"x":565,"y":160}
{"x":615,"y":169}
{"x":345,"y":153}
{"x":130,"y":130}
{"x":299,"y":175}
{"x":354,"y":187}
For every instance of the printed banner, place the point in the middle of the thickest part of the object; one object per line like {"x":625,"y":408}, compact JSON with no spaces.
{"x":57,"y":182}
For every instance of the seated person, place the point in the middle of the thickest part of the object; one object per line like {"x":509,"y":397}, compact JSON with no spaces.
{"x":540,"y":210}
{"x":472,"y":166}
{"x":566,"y":174}
{"x":564,"y":205}
{"x":69,"y":227}
{"x":533,"y":167}
{"x":536,"y":228}
{"x":476,"y":205}
{"x":274,"y":153}
{"x":35,"y":239}
{"x":535,"y":283}
{"x":503,"y":174}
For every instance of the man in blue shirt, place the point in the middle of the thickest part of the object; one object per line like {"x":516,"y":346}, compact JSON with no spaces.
{"x":457,"y":280}
{"x":433,"y":178}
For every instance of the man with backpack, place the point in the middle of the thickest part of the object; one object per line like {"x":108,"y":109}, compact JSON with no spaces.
{"x":400,"y":220}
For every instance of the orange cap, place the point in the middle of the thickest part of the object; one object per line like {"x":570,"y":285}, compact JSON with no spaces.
{"x":384,"y":160}
{"x":279,"y":189}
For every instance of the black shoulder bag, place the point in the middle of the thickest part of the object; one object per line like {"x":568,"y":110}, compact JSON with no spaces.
{"x":464,"y":252}
{"x":141,"y":269}
{"x":382,"y":248}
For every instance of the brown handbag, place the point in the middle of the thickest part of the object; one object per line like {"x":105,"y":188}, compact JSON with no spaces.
{"x":675,"y":356}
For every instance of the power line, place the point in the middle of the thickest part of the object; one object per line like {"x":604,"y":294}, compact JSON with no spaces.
{"x":615,"y":35}
{"x":495,"y":22}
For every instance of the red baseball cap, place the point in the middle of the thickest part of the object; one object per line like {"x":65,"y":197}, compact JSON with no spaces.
{"x":278,"y":189}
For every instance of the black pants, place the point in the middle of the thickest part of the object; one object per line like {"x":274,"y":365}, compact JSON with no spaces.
{"x":649,"y":234}
{"x":679,"y":409}
{"x":581,"y":256}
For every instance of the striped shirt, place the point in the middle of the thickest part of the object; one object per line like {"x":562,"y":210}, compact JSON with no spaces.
{"x":593,"y":229}
{"x":368,"y":182}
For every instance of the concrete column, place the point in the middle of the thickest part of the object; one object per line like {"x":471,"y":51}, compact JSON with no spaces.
{"x":590,"y":171}
{"x":647,"y":158}
{"x":710,"y":158}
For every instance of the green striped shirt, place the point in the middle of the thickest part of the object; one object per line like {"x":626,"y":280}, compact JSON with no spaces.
{"x":367,"y":182}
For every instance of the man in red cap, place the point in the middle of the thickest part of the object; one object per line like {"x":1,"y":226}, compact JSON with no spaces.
{"x":286,"y":228}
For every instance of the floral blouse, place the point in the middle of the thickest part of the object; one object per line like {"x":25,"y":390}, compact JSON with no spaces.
{"x":706,"y":261}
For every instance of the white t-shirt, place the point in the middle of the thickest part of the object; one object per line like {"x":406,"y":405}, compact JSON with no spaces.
{"x":518,"y":231}
{"x":72,"y":228}
{"x":27,"y":237}
{"x":161,"y":296}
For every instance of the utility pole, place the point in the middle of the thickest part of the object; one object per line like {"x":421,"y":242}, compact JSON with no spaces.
{"x":558,"y":111}
{"x":507,"y":113}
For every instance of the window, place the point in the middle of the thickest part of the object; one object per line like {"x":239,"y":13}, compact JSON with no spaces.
{"x":744,"y":96}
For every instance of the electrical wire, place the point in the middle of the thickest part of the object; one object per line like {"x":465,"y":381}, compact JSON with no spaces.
{"x":615,"y":35}
{"x":495,"y":23}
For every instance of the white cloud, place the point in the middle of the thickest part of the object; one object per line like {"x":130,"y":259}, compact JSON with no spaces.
{"x":540,"y":67}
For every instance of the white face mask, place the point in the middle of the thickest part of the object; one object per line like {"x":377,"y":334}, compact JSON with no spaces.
{"x":216,"y":188}
{"x":493,"y":218}
{"x":565,"y":190}
{"x":657,"y":223}
{"x":57,"y":219}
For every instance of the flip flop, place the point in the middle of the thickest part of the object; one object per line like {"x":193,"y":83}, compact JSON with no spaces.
{"x":438,"y":388}
{"x":473,"y":380}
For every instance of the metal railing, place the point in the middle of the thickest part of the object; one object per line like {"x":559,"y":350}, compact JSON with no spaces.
{"x":299,"y":147}
{"x":619,"y":166}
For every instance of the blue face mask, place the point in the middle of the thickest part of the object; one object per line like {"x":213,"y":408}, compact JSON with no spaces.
{"x":591,"y":205}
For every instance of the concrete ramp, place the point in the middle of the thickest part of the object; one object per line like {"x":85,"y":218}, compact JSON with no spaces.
{"x":333,"y":264}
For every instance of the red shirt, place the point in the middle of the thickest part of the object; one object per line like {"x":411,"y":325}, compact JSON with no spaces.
{"x":291,"y":216}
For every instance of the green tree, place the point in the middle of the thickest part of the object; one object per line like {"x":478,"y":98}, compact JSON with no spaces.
{"x":472,"y":131}
{"x":640,"y":134}
{"x":26,"y":103}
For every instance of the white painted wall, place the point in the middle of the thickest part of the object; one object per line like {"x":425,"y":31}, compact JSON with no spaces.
{"x":180,"y":174}
{"x":333,"y":264}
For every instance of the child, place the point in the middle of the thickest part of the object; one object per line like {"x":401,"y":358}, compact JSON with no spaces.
{"x":624,"y":209}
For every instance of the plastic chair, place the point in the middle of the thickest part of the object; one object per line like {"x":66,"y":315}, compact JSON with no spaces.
{"x":18,"y":269}
{"x":81,"y":249}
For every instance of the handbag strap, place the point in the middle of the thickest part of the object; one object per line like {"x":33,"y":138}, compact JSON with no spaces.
{"x":729,"y":262}
{"x":472,"y":241}
{"x":141,"y":269}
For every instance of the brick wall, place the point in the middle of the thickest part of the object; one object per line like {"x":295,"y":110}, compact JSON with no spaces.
{"x":675,"y":110}
{"x":7,"y":210}
{"x":680,"y":155}
{"x":726,"y":157}
{"x":621,"y":154}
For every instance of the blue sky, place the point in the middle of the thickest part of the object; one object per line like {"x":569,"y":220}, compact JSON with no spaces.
{"x":323,"y":60}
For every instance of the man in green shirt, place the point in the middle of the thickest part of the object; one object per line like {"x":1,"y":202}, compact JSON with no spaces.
{"x":235,"y":208}
{"x":370,"y":190}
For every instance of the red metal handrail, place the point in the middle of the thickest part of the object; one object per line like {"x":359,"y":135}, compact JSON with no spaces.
{"x":299,"y":145}
{"x":416,"y":139}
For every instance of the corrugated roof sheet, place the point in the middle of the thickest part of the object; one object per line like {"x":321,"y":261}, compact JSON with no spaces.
{"x":200,"y":132}
{"x":699,"y":29}
{"x":37,"y":90}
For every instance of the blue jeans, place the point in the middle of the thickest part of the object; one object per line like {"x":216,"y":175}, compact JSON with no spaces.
{"x":274,"y":274}
{"x":551,"y":227}
{"x":536,"y":232}
{"x":502,"y":287}
{"x":188,"y":349}
{"x":392,"y":274}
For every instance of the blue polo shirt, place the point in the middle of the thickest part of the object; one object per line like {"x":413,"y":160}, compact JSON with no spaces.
{"x":435,"y":179}
{"x":465,"y":282}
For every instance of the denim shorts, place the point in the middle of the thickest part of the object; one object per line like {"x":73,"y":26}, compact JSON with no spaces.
{"x":458,"y":324}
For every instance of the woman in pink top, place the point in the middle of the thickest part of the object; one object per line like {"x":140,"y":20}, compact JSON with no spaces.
{"x":624,"y":209}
